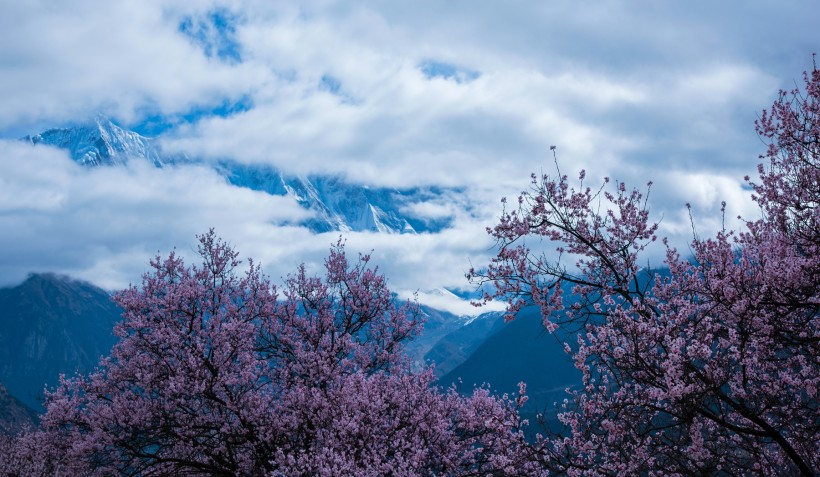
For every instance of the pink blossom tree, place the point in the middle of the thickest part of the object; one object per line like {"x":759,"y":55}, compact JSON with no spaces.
{"x":221,"y":373}
{"x":711,"y":367}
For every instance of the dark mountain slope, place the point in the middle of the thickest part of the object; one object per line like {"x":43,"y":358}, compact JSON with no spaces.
{"x":14,"y":415}
{"x":458,"y":344}
{"x":50,"y":325}
{"x":521,"y":351}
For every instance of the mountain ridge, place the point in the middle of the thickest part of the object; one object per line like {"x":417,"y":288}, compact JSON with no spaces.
{"x":54,"y":324}
{"x":336,"y":204}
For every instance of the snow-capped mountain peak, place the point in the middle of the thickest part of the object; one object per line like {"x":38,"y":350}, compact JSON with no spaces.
{"x":336,"y":204}
{"x":101,"y":143}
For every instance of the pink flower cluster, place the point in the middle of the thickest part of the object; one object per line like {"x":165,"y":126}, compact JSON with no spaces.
{"x":709,"y":365}
{"x":218,"y":373}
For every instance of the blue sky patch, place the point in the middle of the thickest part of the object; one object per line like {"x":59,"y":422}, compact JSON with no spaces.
{"x":330,"y":84}
{"x":333,"y":86}
{"x":215,"y":33}
{"x":436,"y":69}
{"x":156,"y":124}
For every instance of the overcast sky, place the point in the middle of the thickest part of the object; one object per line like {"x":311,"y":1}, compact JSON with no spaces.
{"x":464,"y":94}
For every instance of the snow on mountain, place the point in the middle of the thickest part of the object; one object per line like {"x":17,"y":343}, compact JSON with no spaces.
{"x":102,"y":143}
{"x":336,"y":204}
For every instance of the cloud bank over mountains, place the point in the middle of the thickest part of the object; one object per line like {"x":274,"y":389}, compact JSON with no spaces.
{"x":461,"y":96}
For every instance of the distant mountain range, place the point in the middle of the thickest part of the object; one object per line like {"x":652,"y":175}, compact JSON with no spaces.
{"x":52,"y":324}
{"x":447,"y":339}
{"x":335,"y":203}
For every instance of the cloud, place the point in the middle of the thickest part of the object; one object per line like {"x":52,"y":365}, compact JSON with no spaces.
{"x":102,"y":224}
{"x":435,"y":69}
{"x":440,"y":299}
{"x":63,"y":61}
{"x":462,"y":95}
{"x":705,"y":193}
{"x":215,"y":33}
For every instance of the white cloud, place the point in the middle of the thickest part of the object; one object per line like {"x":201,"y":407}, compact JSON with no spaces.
{"x":103,"y":224}
{"x":440,"y":299}
{"x":63,"y":61}
{"x":705,"y":193}
{"x":638,"y":91}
